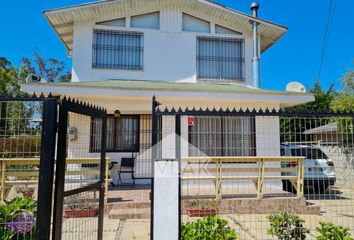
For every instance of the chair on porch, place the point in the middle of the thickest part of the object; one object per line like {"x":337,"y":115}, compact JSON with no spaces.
{"x":126,"y":167}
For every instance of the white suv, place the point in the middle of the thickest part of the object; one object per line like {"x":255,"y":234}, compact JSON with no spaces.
{"x":319,"y":172}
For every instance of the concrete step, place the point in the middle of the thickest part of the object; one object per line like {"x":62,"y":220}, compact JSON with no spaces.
{"x":133,"y":213}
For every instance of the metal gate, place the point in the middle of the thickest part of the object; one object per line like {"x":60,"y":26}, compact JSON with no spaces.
{"x":80,"y":180}
{"x":39,"y":150}
{"x":252,"y":167}
{"x":28,"y":140}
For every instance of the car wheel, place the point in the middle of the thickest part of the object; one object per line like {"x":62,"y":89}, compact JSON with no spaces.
{"x":288,"y":187}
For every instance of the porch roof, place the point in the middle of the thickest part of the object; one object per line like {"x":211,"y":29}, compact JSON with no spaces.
{"x":190,"y":93}
{"x":167,"y":86}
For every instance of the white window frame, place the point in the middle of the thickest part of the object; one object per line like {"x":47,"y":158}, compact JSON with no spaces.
{"x":223,"y":36}
{"x":118,"y":29}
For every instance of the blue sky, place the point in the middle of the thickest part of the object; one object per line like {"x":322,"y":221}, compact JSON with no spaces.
{"x":295,"y":57}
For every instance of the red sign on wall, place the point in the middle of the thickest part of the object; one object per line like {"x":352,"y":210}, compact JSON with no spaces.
{"x":191,"y":120}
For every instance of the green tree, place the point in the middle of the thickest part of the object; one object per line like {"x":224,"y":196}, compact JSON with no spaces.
{"x":13,"y":113}
{"x":10,"y":78}
{"x":345,"y":99}
{"x":50,"y":69}
{"x":345,"y":103}
{"x":323,"y":98}
{"x":292,"y":128}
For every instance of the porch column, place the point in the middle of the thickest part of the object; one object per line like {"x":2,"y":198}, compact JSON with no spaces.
{"x":168,"y":137}
{"x":268,"y":143}
{"x":166,"y":212}
{"x":267,"y":136}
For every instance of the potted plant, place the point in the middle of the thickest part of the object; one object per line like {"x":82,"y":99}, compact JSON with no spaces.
{"x":201,"y":207}
{"x":80,"y":206}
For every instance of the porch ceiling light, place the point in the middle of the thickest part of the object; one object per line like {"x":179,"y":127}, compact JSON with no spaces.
{"x":117,"y":113}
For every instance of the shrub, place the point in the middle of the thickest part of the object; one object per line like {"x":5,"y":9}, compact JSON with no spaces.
{"x":17,"y":219}
{"x":208,"y":228}
{"x":20,"y":146}
{"x":286,"y":226}
{"x":329,"y":231}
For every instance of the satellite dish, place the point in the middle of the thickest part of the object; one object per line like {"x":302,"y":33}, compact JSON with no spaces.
{"x":32,"y":78}
{"x":295,"y":87}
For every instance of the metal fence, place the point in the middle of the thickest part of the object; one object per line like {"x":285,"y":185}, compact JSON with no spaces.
{"x":262,"y":174}
{"x":20,"y":149}
{"x":29,"y":128}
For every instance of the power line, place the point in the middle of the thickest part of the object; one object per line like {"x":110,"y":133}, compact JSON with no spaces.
{"x":330,"y":17}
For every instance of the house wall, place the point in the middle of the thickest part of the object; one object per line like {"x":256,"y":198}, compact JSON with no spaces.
{"x":81,"y":147}
{"x":267,"y":142}
{"x":169,"y":53}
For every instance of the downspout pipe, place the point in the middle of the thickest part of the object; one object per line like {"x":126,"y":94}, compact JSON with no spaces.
{"x":256,"y":56}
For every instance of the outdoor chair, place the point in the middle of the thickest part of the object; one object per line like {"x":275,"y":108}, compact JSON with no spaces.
{"x":126,"y":167}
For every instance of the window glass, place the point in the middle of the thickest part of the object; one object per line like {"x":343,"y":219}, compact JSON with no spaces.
{"x":226,"y":136}
{"x":193,"y":24}
{"x":116,"y":22}
{"x":122,"y":134}
{"x":309,"y":153}
{"x":150,"y":20}
{"x":223,"y":30}
{"x":220,"y":59}
{"x":117,"y":50}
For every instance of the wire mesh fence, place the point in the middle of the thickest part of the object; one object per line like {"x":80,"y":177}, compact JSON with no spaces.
{"x":83,"y":169}
{"x":264,"y":176}
{"x":20,"y":146}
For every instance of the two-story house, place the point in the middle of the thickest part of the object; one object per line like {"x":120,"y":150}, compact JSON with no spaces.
{"x":189,"y":53}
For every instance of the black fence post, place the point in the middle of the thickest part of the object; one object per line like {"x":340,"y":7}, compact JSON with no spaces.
{"x":60,"y":172}
{"x":154,"y":140}
{"x":103,"y":178}
{"x":46,"y":168}
{"x":178,"y":159}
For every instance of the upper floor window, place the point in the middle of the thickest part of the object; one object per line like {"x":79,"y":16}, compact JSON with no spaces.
{"x":149,"y":20}
{"x":224,"y":30}
{"x":117,"y":50}
{"x":220,"y":59}
{"x":193,"y":24}
{"x":120,"y":22}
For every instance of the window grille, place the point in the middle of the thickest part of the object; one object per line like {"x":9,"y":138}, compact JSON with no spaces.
{"x":226,"y":136}
{"x":117,"y":50}
{"x":122,"y":134}
{"x":220,"y":59}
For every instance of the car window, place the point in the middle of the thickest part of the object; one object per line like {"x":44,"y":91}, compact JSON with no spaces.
{"x":308,"y":153}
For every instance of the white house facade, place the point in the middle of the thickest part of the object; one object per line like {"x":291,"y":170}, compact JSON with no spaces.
{"x":188,"y":53}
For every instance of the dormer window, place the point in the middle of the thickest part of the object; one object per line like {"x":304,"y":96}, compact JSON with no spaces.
{"x":220,"y":59}
{"x":193,"y":24}
{"x":150,"y":20}
{"x":117,"y":50}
